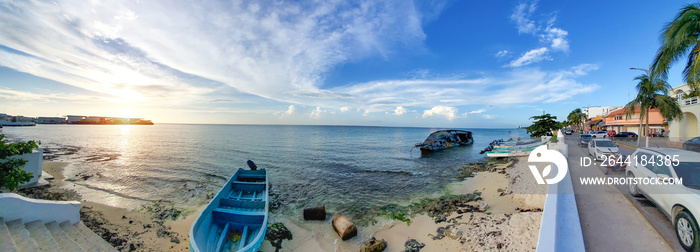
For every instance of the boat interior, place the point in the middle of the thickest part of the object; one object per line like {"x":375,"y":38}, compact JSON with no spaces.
{"x":238,"y":215}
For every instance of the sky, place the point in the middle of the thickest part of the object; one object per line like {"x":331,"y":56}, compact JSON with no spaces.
{"x":461,"y":64}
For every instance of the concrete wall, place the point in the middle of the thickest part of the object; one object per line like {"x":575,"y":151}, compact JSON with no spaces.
{"x":688,"y":126}
{"x":35,"y":162}
{"x":13,"y":206}
{"x":560,"y":229}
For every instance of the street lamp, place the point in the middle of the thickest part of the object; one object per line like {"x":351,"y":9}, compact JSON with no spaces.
{"x":640,"y":109}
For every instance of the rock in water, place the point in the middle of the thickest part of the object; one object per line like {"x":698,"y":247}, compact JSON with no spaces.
{"x":413,"y":246}
{"x":344,"y":227}
{"x":372,"y":245}
{"x":315,"y":213}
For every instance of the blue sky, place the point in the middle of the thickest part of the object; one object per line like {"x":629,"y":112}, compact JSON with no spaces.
{"x":486,"y":64}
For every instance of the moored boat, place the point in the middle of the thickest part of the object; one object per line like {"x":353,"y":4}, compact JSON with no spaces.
{"x":443,"y":139}
{"x":236,"y":218}
{"x":515,"y":147}
{"x":509,"y":153}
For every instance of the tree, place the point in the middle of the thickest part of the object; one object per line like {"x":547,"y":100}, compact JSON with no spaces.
{"x":11,"y":173}
{"x":576,"y":117}
{"x":679,"y":37}
{"x":543,"y":124}
{"x":652,"y":93}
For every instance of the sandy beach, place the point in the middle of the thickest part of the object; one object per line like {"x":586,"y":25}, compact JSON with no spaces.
{"x":499,"y":219}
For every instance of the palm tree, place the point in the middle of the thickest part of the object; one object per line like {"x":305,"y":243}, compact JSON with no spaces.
{"x":576,"y":117}
{"x":679,"y":37}
{"x":652,"y":93}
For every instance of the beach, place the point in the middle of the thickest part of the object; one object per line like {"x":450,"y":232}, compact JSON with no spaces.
{"x":498,"y":219}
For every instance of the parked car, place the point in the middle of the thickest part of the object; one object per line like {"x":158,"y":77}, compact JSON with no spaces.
{"x":611,"y":133}
{"x":692,"y":144}
{"x":599,"y":134}
{"x":679,"y":202}
{"x":602,"y":147}
{"x":625,"y":135}
{"x":568,"y":131}
{"x":583,"y":139}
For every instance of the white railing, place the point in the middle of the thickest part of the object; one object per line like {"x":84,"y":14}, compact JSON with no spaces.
{"x":560,"y":229}
{"x":689,"y":101}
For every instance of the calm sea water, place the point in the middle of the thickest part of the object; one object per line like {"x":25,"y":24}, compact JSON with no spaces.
{"x":350,"y":169}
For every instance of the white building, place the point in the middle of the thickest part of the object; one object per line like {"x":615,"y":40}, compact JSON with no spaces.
{"x":74,"y":118}
{"x":592,"y":112}
{"x":686,"y":127}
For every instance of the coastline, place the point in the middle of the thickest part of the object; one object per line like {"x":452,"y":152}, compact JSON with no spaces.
{"x":499,"y":219}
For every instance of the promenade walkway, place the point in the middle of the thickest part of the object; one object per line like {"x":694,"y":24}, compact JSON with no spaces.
{"x":609,"y":221}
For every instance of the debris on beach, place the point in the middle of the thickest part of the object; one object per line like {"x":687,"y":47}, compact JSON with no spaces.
{"x":276,"y":233}
{"x":163,"y":210}
{"x":413,"y":246}
{"x":438,"y":209}
{"x":344,"y":227}
{"x":122,"y":241}
{"x":315,"y":213}
{"x":48,"y":193}
{"x":372,"y":245}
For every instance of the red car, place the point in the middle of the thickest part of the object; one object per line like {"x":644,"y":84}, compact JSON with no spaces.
{"x":611,"y":133}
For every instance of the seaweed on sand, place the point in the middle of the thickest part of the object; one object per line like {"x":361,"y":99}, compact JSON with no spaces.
{"x":276,"y":233}
{"x":438,"y":209}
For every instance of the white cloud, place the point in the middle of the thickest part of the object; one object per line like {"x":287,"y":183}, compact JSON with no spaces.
{"x":477,"y":111}
{"x":449,"y":112}
{"x":317,"y":113}
{"x":522,"y":17}
{"x":344,"y":109}
{"x":532,"y":56}
{"x":289,"y":111}
{"x":152,"y":49}
{"x":502,"y":53}
{"x":400,"y":110}
{"x":557,"y":38}
{"x":487,"y":116}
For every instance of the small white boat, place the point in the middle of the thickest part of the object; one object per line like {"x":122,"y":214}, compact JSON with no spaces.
{"x":509,"y":153}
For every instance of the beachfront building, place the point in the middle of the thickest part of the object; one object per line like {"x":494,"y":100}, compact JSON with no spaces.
{"x":593,"y":112}
{"x":687,"y":127}
{"x":9,"y":120}
{"x":50,"y":120}
{"x":74,"y":118}
{"x":619,"y":121}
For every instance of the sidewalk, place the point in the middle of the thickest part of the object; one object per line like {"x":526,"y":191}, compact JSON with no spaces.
{"x":609,"y":222}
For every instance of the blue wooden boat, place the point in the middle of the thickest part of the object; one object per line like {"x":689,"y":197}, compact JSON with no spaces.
{"x":236,"y":218}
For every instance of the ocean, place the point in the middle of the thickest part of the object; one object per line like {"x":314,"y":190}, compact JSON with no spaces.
{"x":352,"y":169}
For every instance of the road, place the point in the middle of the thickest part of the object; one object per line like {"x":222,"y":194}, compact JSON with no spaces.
{"x":611,"y":219}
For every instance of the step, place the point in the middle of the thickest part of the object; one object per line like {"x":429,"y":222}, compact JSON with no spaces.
{"x":94,"y":238}
{"x":77,"y":237}
{"x":6,"y":243}
{"x":64,"y":242}
{"x":20,"y":235}
{"x":42,"y":236}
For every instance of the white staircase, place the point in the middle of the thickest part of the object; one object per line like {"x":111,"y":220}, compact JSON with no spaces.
{"x":36,"y":236}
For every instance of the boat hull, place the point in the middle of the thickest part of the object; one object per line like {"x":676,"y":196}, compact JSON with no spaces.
{"x":445,"y":139}
{"x":236,"y":218}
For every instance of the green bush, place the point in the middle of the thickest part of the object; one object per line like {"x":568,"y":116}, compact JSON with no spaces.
{"x":11,"y":173}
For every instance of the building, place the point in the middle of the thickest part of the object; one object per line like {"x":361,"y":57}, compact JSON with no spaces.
{"x":619,"y":122}
{"x":50,"y":120}
{"x":74,"y":118}
{"x":687,"y":126}
{"x":593,"y":112}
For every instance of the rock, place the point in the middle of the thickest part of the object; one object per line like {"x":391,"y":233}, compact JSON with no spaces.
{"x":453,"y":233}
{"x":372,"y":245}
{"x":344,"y":227}
{"x":315,"y":213}
{"x":413,"y":246}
